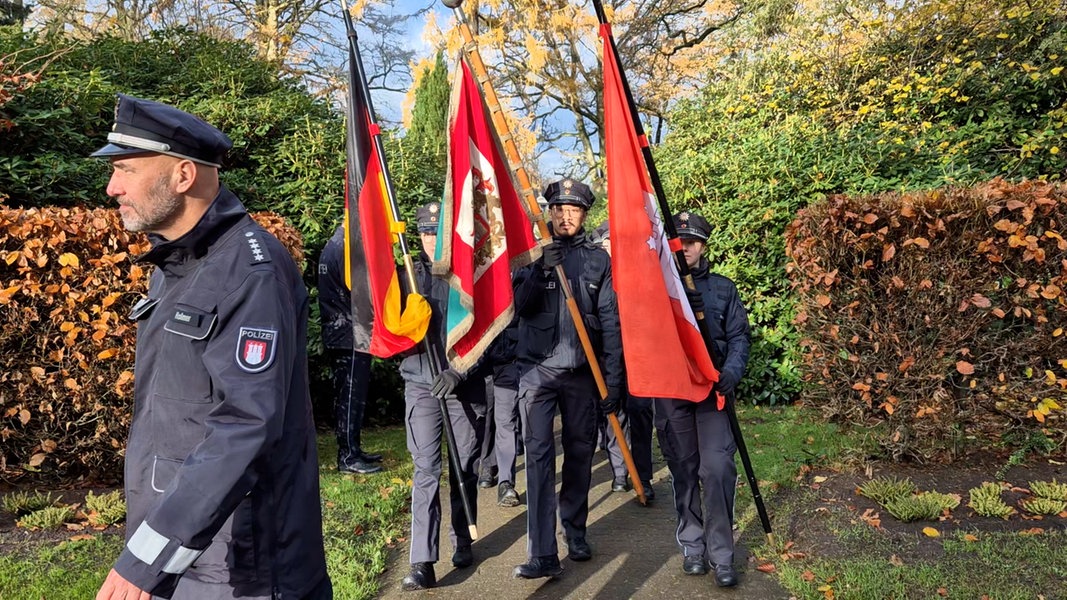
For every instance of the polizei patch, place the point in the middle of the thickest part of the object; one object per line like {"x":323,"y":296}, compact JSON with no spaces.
{"x":255,"y":348}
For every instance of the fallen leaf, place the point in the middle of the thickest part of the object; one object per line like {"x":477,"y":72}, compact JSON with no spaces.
{"x":820,"y":478}
{"x":80,"y":536}
{"x":931,"y":532}
{"x":895,"y":561}
{"x":965,"y":367}
{"x":970,"y":538}
{"x":942,"y":592}
{"x":766,"y":567}
{"x":807,"y":576}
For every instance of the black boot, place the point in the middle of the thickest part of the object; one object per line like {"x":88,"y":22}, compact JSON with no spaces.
{"x":621,"y":484}
{"x":506,"y":495}
{"x":695,"y":565}
{"x":462,"y":557}
{"x":725,"y":575}
{"x":650,"y":492}
{"x":578,"y":549}
{"x":538,"y":567}
{"x":368,"y":457}
{"x":420,"y":577}
{"x":355,"y":465}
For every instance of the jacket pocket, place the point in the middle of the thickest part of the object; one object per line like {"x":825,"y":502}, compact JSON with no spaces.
{"x":538,"y":334}
{"x":164,"y":470}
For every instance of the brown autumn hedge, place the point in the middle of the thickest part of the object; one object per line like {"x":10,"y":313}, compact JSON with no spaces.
{"x":67,"y":283}
{"x":940,"y":313}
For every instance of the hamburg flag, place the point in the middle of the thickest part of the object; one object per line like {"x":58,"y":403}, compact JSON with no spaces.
{"x":642,"y":265}
{"x":380,"y":326}
{"x":484,"y":231}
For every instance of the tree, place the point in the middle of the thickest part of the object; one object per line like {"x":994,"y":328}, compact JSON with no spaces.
{"x":543,"y":59}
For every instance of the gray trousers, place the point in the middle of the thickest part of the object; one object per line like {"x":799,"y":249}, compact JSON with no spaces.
{"x":190,"y":589}
{"x":699,"y":447}
{"x":541,"y":391}
{"x":506,"y":416}
{"x":425,"y":432}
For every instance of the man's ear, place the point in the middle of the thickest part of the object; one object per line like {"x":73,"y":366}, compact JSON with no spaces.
{"x":184,"y":176}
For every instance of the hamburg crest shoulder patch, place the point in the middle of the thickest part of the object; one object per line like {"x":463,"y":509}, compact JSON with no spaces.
{"x":255,"y":348}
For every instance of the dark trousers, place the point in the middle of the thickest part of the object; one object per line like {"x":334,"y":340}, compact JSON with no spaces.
{"x":636,"y":423}
{"x":541,"y":391}
{"x":699,"y":447}
{"x":425,"y":431}
{"x":351,"y":382}
{"x":487,"y":460}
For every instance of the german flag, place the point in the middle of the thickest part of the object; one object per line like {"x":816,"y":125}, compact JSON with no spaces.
{"x":384,"y":321}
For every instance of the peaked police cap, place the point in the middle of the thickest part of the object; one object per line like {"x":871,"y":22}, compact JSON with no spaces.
{"x":569,"y":191}
{"x":145,"y":126}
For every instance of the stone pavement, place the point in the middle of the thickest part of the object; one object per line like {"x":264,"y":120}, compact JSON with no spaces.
{"x":635,"y":554}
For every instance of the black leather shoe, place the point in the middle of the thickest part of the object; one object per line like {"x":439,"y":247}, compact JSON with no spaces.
{"x":463,"y":557}
{"x":541,"y":566}
{"x":725,"y":575}
{"x":578,"y":549}
{"x":371,"y":458}
{"x":487,"y":479}
{"x":650,"y":492}
{"x":421,"y":577}
{"x":506,"y":495}
{"x":358,"y":466}
{"x":695,"y":565}
{"x":620,"y":484}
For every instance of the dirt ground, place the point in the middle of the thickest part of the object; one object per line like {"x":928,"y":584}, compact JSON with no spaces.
{"x":827,"y":497}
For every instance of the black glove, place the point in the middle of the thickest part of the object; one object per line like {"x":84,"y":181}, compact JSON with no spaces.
{"x":552,"y":255}
{"x":727,"y":383}
{"x":696,"y":300}
{"x":613,"y":403}
{"x":445,"y":382}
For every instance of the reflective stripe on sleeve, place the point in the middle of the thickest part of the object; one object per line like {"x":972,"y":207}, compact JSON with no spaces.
{"x":146,"y":544}
{"x":183,"y":558}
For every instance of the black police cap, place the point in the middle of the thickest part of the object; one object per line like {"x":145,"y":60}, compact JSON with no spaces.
{"x":569,"y":191}
{"x":427,"y":217}
{"x":692,"y":225}
{"x":145,"y":126}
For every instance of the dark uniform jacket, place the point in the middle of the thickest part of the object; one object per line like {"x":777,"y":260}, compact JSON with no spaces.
{"x":546,"y":333}
{"x":221,"y":466}
{"x":727,"y":320}
{"x":335,"y":301}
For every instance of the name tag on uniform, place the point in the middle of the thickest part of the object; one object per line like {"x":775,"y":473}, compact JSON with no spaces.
{"x":551,"y":285}
{"x":190,"y":322}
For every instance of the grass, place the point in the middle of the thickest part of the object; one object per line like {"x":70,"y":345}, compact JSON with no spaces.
{"x":24,"y":502}
{"x":365,"y":516}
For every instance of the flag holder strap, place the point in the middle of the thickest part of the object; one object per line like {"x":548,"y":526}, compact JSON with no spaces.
{"x":500,"y":124}
{"x":683,"y":266}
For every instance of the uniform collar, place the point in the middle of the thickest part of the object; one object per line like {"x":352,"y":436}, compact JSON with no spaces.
{"x":702,"y":269}
{"x":225,"y":210}
{"x":578,"y":239}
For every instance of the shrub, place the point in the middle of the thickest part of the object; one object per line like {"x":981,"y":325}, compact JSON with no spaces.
{"x":106,"y":509}
{"x":47,"y":518}
{"x":986,"y":501}
{"x":25,"y":502}
{"x":884,"y":489}
{"x":920,"y":507}
{"x":1052,"y":490}
{"x":67,"y":282}
{"x":940,"y":312}
{"x":1043,"y":506}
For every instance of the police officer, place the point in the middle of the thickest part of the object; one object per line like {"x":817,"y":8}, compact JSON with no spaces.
{"x":350,"y":369}
{"x":505,"y":413}
{"x":466,"y":408}
{"x":222,"y":483}
{"x":554,"y":374}
{"x":695,"y":436}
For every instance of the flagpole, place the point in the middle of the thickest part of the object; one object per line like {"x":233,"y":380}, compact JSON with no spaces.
{"x":530,"y":196}
{"x":409,"y":267}
{"x":683,"y":266}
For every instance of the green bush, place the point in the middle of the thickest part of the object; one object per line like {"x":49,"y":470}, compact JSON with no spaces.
{"x":52,"y":517}
{"x":26,"y":502}
{"x":986,"y":501}
{"x":1053,"y":490}
{"x":884,"y":489}
{"x":106,"y":509}
{"x":1044,"y":506}
{"x":921,"y":507}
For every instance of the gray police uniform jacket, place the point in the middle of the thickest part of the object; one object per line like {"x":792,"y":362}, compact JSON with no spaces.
{"x":546,"y":332}
{"x":221,"y":465}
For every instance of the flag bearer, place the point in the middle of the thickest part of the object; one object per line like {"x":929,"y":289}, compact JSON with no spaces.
{"x":425,"y":428}
{"x":554,"y":374}
{"x":695,"y":437}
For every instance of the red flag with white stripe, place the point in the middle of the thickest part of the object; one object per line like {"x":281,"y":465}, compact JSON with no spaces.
{"x":665,"y":358}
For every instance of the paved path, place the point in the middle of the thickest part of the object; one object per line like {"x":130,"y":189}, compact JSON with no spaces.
{"x":634,"y":552}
